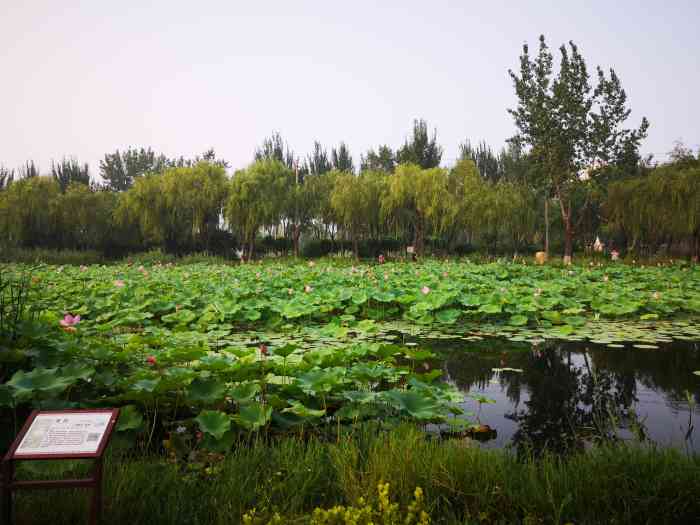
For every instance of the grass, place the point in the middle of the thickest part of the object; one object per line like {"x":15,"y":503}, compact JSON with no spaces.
{"x":462,"y":484}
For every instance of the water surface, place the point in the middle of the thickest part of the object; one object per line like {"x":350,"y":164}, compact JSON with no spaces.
{"x":567,"y":395}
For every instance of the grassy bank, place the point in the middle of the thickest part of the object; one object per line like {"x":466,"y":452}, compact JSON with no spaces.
{"x":461,"y":484}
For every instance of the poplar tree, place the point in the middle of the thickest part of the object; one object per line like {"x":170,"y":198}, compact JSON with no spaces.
{"x":571,"y":129}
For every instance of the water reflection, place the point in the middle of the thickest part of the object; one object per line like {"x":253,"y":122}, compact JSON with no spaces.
{"x":570,"y":394}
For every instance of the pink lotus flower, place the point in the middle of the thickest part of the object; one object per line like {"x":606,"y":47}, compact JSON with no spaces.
{"x":83,"y":268}
{"x":308,"y":289}
{"x":290,"y":291}
{"x":119,"y":283}
{"x":263,"y":350}
{"x":69,"y":320}
{"x":151,"y":360}
{"x":311,"y":264}
{"x":425,"y":290}
{"x":380,"y":259}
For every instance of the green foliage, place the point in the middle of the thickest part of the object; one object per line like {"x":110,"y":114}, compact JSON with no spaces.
{"x":179,"y":208}
{"x":571,"y":129}
{"x":68,"y":172}
{"x":291,"y":478}
{"x":420,"y":148}
{"x":120,"y":169}
{"x":381,"y":160}
{"x":257,"y":197}
{"x":663,"y":205}
{"x":341,"y":159}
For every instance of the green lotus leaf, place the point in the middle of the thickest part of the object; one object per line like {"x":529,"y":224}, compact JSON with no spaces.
{"x":40,"y":379}
{"x":285,"y":350}
{"x":417,"y":405}
{"x":448,"y":316}
{"x":518,"y":320}
{"x":206,"y":390}
{"x":213,"y":422}
{"x":252,"y":416}
{"x":244,"y":392}
{"x":75,"y":371}
{"x":490,"y":308}
{"x":130,"y":418}
{"x":300,"y":410}
{"x":146,"y":385}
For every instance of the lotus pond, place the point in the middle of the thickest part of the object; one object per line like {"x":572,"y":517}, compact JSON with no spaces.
{"x":199,"y":355}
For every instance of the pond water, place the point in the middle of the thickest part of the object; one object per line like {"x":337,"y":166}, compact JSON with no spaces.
{"x":565,"y":395}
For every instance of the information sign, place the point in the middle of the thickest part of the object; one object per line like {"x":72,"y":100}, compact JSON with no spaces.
{"x":65,"y":433}
{"x":59,"y":434}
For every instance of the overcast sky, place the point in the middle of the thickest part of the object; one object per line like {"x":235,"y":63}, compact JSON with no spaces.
{"x":82,"y":78}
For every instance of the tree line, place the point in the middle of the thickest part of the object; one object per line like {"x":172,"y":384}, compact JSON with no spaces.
{"x":571,"y":172}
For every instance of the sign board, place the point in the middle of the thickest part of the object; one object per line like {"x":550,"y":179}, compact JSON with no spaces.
{"x":70,"y":433}
{"x":409,"y":249}
{"x":59,"y":434}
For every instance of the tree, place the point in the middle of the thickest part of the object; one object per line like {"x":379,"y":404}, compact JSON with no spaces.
{"x":179,"y":208}
{"x":570,"y":129}
{"x":349,"y":204}
{"x":6,"y":177}
{"x":356,"y":201}
{"x":120,"y":169}
{"x":383,"y":160}
{"x":274,"y":148}
{"x":28,"y":170}
{"x":318,"y":163}
{"x":659,"y":208}
{"x":69,"y":171}
{"x":341,"y":159}
{"x":257,"y":197}
{"x":417,"y":199}
{"x":420,"y":149}
{"x":486,"y":162}
{"x":29,"y":212}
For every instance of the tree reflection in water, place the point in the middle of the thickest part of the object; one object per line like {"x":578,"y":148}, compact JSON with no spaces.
{"x":569,"y":403}
{"x":571,"y":394}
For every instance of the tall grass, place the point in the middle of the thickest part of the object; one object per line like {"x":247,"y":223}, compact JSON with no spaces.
{"x":462,"y":484}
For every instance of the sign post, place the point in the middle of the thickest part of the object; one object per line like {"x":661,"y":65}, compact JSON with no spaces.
{"x":60,"y":434}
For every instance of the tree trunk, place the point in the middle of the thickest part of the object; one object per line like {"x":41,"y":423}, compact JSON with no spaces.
{"x":418,"y":239}
{"x":296,"y":232}
{"x":568,"y":229}
{"x":546,"y":225}
{"x":568,"y":244}
{"x":355,"y":247}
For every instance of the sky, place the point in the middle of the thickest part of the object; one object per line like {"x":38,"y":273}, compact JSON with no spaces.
{"x":84,"y":78}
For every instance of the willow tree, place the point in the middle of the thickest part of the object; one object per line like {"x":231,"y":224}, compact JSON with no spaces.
{"x":661,"y":207}
{"x":179,"y":208}
{"x":571,"y":128}
{"x":85,"y":217}
{"x":417,"y":199}
{"x":356,"y":203}
{"x":257,"y":198}
{"x":28,"y":212}
{"x":349,"y":205}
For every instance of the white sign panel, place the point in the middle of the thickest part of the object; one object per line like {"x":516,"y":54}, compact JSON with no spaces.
{"x":64,"y":433}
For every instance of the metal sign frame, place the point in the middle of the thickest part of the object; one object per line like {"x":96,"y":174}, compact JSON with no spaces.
{"x":94,"y":481}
